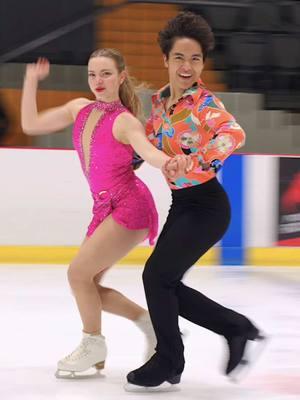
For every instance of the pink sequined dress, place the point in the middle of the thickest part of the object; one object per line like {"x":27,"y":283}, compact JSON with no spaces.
{"x":107,"y":165}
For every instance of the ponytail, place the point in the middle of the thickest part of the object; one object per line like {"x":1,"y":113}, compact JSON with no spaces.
{"x":129,"y":97}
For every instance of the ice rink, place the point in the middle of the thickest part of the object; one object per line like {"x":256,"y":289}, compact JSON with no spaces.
{"x":40,"y":325}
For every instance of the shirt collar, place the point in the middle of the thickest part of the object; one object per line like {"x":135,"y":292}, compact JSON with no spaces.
{"x":165,"y":91}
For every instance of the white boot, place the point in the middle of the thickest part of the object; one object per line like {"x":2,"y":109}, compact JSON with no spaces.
{"x":91,"y":352}
{"x":145,"y":325}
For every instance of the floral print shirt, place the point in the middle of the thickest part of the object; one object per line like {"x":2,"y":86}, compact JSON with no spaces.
{"x":197,"y":125}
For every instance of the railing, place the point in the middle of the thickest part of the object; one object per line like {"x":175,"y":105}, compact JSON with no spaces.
{"x":98,"y":10}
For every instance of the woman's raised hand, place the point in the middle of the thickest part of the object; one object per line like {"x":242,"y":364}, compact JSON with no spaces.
{"x":39,"y":70}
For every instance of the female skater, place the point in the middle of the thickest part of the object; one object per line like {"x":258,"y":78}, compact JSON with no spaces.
{"x":188,"y":119}
{"x":106,"y":133}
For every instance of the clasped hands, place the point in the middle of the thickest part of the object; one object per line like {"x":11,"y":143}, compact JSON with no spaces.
{"x":177,"y":166}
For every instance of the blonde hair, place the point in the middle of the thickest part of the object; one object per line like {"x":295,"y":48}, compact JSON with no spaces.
{"x":128,"y":88}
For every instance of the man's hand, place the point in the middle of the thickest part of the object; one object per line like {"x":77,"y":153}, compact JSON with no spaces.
{"x":177,"y":167}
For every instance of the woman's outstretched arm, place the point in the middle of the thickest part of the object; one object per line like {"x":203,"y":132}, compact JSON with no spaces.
{"x":52,"y":119}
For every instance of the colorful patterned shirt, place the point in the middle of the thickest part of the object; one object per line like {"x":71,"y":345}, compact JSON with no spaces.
{"x":197,"y":125}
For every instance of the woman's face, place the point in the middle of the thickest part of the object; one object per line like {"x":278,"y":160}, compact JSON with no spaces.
{"x":104,"y":78}
{"x":184,"y":63}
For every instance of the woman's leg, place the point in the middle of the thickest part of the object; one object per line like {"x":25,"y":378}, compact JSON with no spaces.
{"x":116,"y":303}
{"x":108,"y":244}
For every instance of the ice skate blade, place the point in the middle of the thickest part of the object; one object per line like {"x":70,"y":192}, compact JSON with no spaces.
{"x":254,"y":350}
{"x":93,"y":372}
{"x":164,"y":387}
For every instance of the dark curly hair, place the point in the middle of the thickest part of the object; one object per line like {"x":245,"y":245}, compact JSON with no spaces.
{"x":189,"y":25}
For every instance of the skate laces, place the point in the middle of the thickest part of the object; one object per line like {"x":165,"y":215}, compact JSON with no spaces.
{"x":82,"y":350}
{"x":78,"y":353}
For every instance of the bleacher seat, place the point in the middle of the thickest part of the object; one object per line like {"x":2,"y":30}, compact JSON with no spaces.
{"x":285,"y":61}
{"x":264,"y":16}
{"x":222,"y":18}
{"x":246,"y":61}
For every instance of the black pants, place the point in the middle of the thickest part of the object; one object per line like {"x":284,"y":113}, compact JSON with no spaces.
{"x":198,"y":218}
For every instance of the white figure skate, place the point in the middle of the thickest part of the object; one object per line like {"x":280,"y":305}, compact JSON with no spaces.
{"x":91,"y":352}
{"x":145,"y":325}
